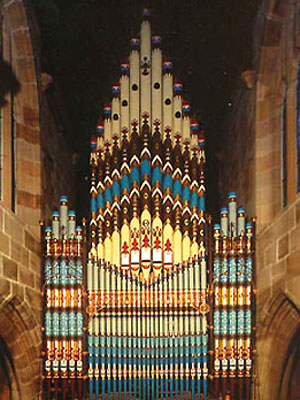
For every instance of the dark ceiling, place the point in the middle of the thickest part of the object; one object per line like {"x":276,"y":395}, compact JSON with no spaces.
{"x":209,"y":42}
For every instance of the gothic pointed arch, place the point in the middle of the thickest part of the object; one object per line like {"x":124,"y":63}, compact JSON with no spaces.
{"x":278,"y":328}
{"x":20,"y":345}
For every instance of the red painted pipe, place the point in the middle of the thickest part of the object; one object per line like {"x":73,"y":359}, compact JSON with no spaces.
{"x":56,"y":384}
{"x":232,"y":388}
{"x":217,"y":385}
{"x":241,"y":388}
{"x":72,"y":388}
{"x":248,"y":388}
{"x":48,"y":383}
{"x":64,"y":389}
{"x":80,"y":388}
{"x":224,"y":387}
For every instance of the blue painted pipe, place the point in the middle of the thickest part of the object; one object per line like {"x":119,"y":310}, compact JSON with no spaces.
{"x":198,"y":388}
{"x":103,"y":388}
{"x":97,"y":388}
{"x":91,"y":388}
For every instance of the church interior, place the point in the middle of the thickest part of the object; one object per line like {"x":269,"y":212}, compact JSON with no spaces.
{"x":149,"y":200}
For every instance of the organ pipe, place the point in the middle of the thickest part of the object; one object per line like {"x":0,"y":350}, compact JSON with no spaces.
{"x":170,"y":305}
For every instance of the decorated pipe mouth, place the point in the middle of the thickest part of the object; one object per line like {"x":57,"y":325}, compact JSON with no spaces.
{"x":241,"y":210}
{"x":194,"y":127}
{"x":115,"y":90}
{"x":167,"y":66}
{"x":201,"y":141}
{"x":55,"y":214}
{"x":232,"y":195}
{"x":156,"y":40}
{"x":93,"y":142}
{"x":72,"y":213}
{"x":100,"y":128}
{"x":107,"y":110}
{"x":135,"y":43}
{"x":177,"y":87}
{"x":64,"y":198}
{"x":125,"y":67}
{"x":186,"y":108}
{"x":224,"y":210}
{"x":146,"y":13}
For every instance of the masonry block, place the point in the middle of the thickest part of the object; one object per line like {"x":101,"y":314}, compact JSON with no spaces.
{"x":10,"y":268}
{"x":270,"y":254}
{"x":17,"y":15}
{"x":26,"y":74}
{"x":264,"y":278}
{"x":31,"y":117}
{"x":28,"y":199}
{"x":4,"y":287}
{"x":4,"y":243}
{"x":295,"y":238}
{"x":293,"y":289}
{"x":293,"y":264}
{"x":31,"y":243}
{"x":283,"y":246}
{"x":22,"y":42}
{"x":15,"y":251}
{"x":33,"y":297}
{"x":297,"y":207}
{"x":13,"y":227}
{"x":279,"y":269}
{"x":26,"y":277}
{"x":30,"y":135}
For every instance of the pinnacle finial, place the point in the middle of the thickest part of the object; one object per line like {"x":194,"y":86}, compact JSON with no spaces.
{"x":146,"y":13}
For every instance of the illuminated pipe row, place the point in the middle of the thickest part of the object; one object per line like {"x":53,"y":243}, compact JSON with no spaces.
{"x":146,"y":89}
{"x":120,"y":226}
{"x":232,"y":280}
{"x":128,"y":241}
{"x":126,"y":197}
{"x":145,"y":373}
{"x":63,"y":288}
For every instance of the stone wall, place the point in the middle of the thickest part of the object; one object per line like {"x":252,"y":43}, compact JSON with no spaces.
{"x":20,"y":306}
{"x":256,"y":142}
{"x":278,"y":277}
{"x":276,"y":72}
{"x":41,"y":163}
{"x":254,"y":168}
{"x":43,"y":154}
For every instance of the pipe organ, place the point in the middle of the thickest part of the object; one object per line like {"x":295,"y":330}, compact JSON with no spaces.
{"x":232,"y":299}
{"x":63,"y":289}
{"x":167,"y":297}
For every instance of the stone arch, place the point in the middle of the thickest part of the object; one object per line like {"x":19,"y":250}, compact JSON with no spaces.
{"x":20,"y":332}
{"x":278,"y":326}
{"x":289,"y":385}
{"x":8,"y":381}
